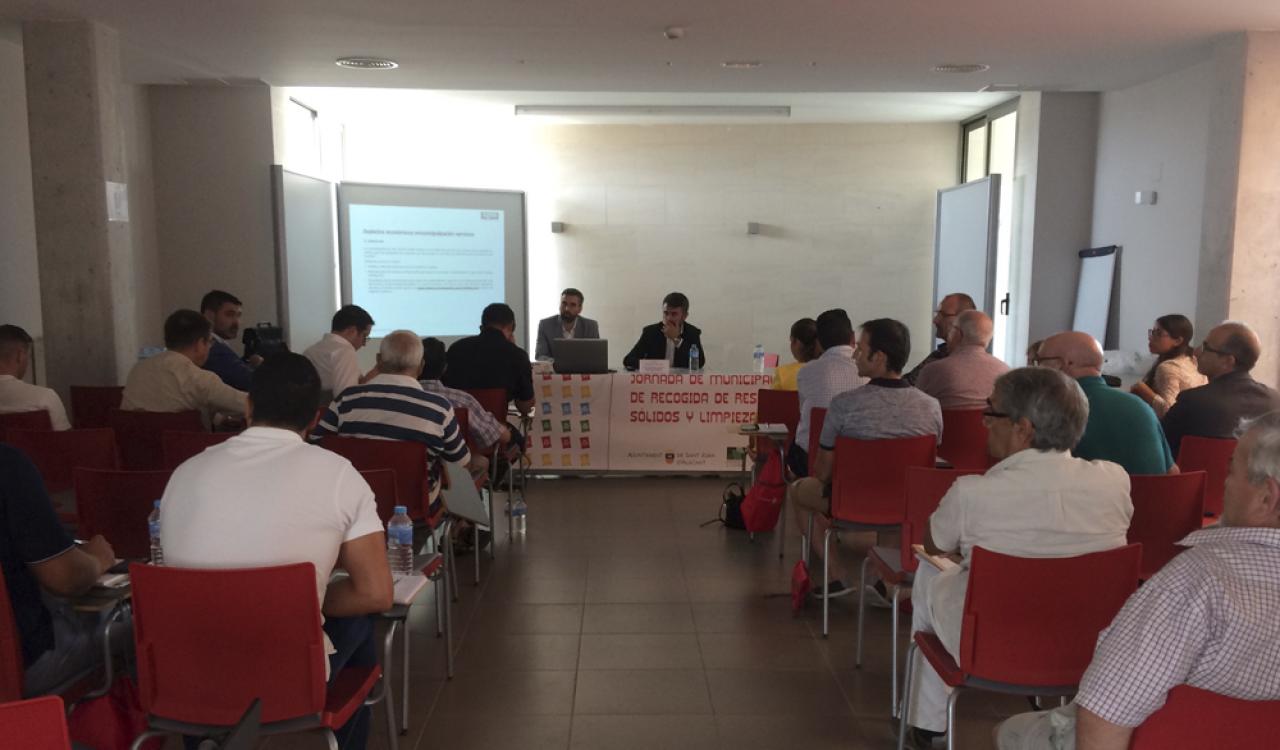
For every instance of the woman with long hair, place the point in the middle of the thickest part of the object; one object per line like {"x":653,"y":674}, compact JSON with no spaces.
{"x":804,"y":347}
{"x":1175,"y":368}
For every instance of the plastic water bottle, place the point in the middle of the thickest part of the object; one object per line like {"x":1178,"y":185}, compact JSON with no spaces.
{"x":400,"y":543}
{"x":153,"y":530}
{"x":695,"y":358}
{"x":519,"y":515}
{"x":757,"y":358}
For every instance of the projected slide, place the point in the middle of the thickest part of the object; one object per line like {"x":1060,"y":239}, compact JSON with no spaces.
{"x":430,"y":270}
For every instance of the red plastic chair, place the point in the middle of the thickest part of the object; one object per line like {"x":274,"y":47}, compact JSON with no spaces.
{"x":1021,"y":636}
{"x":57,"y":454}
{"x":964,"y":440}
{"x":407,"y":459}
{"x":1166,"y":507}
{"x":1195,"y":718}
{"x":26,"y":420}
{"x":384,"y":486}
{"x":494,"y":401}
{"x":1212,"y":456}
{"x":11,"y":667}
{"x":924,"y":488}
{"x":36,"y":724}
{"x":140,"y":433}
{"x":116,"y":504}
{"x":210,"y":642}
{"x":817,"y":418}
{"x":778,"y":407}
{"x":91,"y":405}
{"x":177,"y":446}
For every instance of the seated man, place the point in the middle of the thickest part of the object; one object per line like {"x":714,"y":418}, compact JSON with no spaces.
{"x":334,"y":355}
{"x":173,"y":381}
{"x":42,"y":564}
{"x":222,"y":310}
{"x":1038,"y":501}
{"x":486,"y":431}
{"x":569,"y":324}
{"x":964,"y":378}
{"x":492,"y":359}
{"x":393,"y":406}
{"x":943,"y":318}
{"x":266,"y":497}
{"x":670,"y":339}
{"x":1215,"y":409}
{"x":819,"y":381}
{"x":1121,"y":427}
{"x":1210,"y":619}
{"x":886,"y":407}
{"x":16,"y":395}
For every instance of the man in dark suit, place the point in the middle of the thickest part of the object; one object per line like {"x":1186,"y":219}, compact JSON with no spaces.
{"x":671,"y":339}
{"x":222,"y":310}
{"x":569,"y":324}
{"x":1214,"y":410}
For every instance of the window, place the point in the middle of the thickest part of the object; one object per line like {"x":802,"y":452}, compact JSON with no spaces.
{"x":302,"y":138}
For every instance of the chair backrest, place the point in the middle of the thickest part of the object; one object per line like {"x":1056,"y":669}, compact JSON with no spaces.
{"x":385,"y":497}
{"x":1212,"y":456}
{"x":1035,"y":621}
{"x":407,"y":459}
{"x":177,"y":446}
{"x":36,"y":724}
{"x":26,"y":420}
{"x":57,"y":454}
{"x":116,"y":504}
{"x":924,"y":488}
{"x":211,"y":641}
{"x":964,"y":439}
{"x":91,"y":405}
{"x":868,"y":479}
{"x":1195,"y":718}
{"x":140,"y":434}
{"x":494,"y":401}
{"x":11,"y":666}
{"x":1166,"y":507}
{"x":779,"y":407}
{"x":817,"y":417}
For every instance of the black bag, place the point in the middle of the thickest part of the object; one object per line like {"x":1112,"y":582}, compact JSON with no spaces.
{"x":731,"y":508}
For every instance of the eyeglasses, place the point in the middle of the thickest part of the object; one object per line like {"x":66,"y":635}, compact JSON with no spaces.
{"x":991,"y":413}
{"x":1039,"y":361}
{"x":1156,"y":333}
{"x":1204,"y":346}
{"x":941,"y":314}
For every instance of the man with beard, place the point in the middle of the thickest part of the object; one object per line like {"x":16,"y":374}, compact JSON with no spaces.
{"x":943,"y":319}
{"x":569,"y":324}
{"x":222,"y":310}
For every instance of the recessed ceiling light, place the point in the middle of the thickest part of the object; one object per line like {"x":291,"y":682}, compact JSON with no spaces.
{"x":740,"y":64}
{"x":367,"y":63}
{"x":961,"y":68}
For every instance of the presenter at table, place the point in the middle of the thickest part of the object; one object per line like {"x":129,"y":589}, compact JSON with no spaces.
{"x":569,"y":324}
{"x":670,"y":339}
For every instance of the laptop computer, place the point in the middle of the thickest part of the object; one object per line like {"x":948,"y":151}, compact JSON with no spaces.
{"x":462,"y":498}
{"x":580,"y":356}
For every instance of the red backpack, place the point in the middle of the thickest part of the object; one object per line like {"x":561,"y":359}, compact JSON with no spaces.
{"x":763,"y":503}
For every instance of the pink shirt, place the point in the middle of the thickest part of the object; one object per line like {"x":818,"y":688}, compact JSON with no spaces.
{"x":963,"y":379}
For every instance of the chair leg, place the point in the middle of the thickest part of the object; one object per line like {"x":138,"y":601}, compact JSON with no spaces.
{"x":387,"y":697}
{"x":393,"y":737}
{"x":149,"y":734}
{"x":862,"y":610}
{"x":441,"y":593}
{"x":826,"y":580}
{"x":782,"y":513}
{"x":951,"y":718}
{"x":893,"y":654}
{"x":475,"y":543}
{"x":804,"y":541}
{"x":905,"y":711}
{"x":332,"y":739}
{"x":511,"y":495}
{"x":404,"y":681}
{"x":448,"y":639}
{"x":451,"y":568}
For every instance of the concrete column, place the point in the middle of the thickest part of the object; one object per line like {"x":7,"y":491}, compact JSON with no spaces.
{"x":77,"y":147}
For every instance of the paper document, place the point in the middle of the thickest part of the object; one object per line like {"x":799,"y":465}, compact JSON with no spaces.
{"x":937,"y":561}
{"x":407,"y":588}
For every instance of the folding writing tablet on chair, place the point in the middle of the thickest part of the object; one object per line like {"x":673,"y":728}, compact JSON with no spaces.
{"x":461,"y":496}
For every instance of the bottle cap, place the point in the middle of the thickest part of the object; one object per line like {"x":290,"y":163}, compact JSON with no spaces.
{"x":402,"y":510}
{"x":157,"y":505}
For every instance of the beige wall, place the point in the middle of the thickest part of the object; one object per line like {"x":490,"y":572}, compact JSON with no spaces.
{"x":19,"y":278}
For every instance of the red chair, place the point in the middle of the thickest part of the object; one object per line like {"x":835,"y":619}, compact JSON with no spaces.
{"x":1166,"y":507}
{"x":924,"y":488}
{"x":25,"y":420}
{"x":11,"y":666}
{"x":210,"y":642}
{"x":1212,"y":456}
{"x":817,"y":418}
{"x":57,"y":454}
{"x":140,"y":433}
{"x":778,"y":407}
{"x":407,"y":459}
{"x":384,"y":486}
{"x":36,"y":724}
{"x":116,"y":504}
{"x":91,"y":405}
{"x":964,"y":440}
{"x":1192,"y":718}
{"x":177,"y":446}
{"x":1022,"y":637}
{"x":494,"y":401}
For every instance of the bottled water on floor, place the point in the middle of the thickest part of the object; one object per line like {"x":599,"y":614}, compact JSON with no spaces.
{"x":519,"y":515}
{"x":400,"y":543}
{"x":153,"y":530}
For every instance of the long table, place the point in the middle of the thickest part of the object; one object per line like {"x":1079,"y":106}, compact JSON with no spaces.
{"x":640,"y":422}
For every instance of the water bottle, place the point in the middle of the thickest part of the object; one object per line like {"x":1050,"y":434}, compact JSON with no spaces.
{"x":757,"y":358}
{"x":519,"y":514}
{"x":400,"y":543}
{"x":153,"y":530}
{"x":695,"y":358}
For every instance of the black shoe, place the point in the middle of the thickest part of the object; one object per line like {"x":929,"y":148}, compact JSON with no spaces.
{"x":922,"y":739}
{"x":837,"y":588}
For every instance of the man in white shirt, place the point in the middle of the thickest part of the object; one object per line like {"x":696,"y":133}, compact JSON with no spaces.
{"x":1038,"y":501}
{"x":17,"y":395}
{"x":334,"y":355}
{"x":820,"y":380}
{"x":174,"y":381}
{"x":265,"y":497}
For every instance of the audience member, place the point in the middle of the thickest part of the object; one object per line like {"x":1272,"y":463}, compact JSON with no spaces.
{"x":1175,"y":368}
{"x":1214,"y":410}
{"x":1038,"y":501}
{"x":17,"y":395}
{"x":1033,"y":351}
{"x":569,"y":324}
{"x":222,"y":310}
{"x":1121,"y":428}
{"x":671,"y":339}
{"x":492,"y":359}
{"x":173,"y":379}
{"x":886,"y":407}
{"x":943,"y":318}
{"x":1210,"y":619}
{"x":804,"y":347}
{"x":486,"y":431}
{"x":832,"y":373}
{"x":963,"y":379}
{"x":334,"y":355}
{"x":265,"y":497}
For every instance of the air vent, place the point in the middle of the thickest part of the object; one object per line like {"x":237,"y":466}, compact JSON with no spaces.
{"x":367,"y":63}
{"x":961,"y":68}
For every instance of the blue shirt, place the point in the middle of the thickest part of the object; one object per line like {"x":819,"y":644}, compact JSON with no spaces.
{"x":227,"y":365}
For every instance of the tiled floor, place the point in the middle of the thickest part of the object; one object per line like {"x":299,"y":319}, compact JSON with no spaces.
{"x":618,"y":623}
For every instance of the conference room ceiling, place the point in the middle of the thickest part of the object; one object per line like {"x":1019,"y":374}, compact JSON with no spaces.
{"x":619,"y":46}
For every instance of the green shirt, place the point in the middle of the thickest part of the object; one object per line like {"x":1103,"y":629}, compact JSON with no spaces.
{"x":1123,"y":429}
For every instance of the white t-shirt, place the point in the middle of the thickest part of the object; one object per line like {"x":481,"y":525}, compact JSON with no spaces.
{"x":335,"y":361}
{"x":18,"y":396}
{"x":262,"y":498}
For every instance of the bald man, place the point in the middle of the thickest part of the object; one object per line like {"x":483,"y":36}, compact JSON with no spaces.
{"x":1121,"y":427}
{"x":1215,"y":410}
{"x":964,"y":378}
